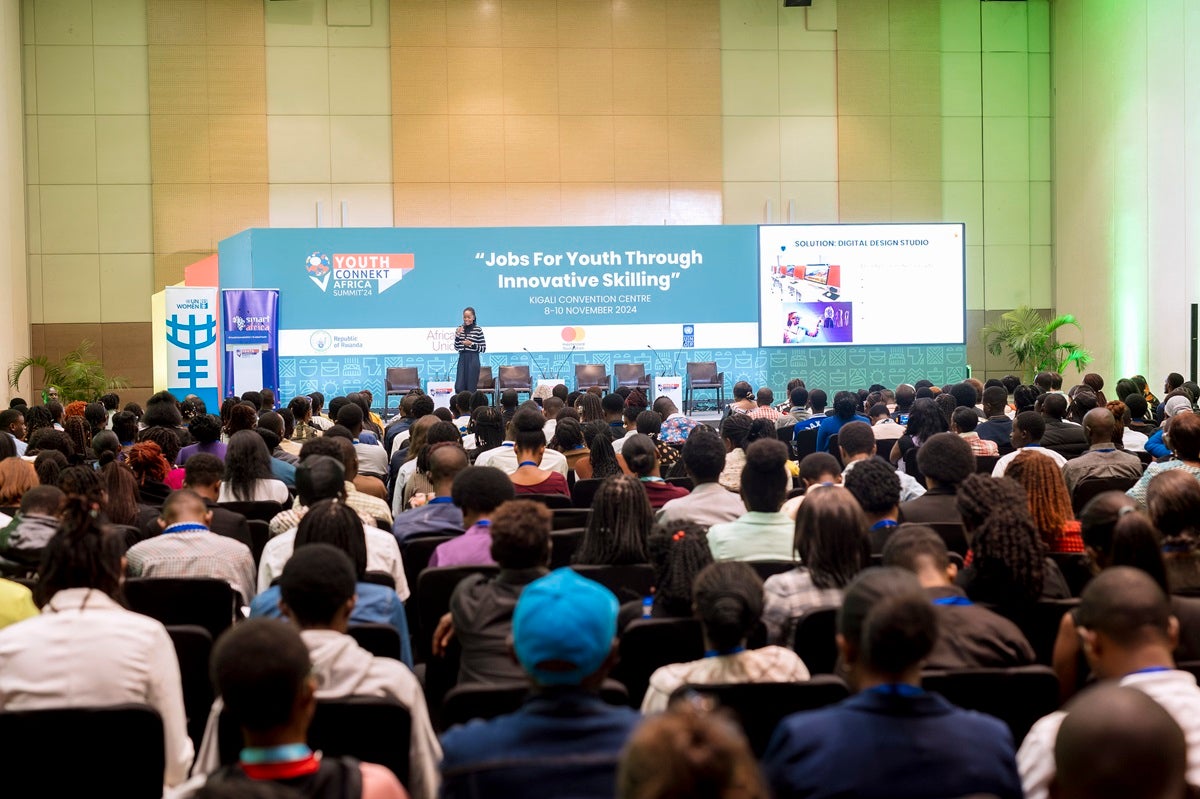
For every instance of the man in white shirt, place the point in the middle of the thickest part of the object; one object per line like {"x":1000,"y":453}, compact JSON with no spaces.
{"x":12,"y":422}
{"x":1027,"y":431}
{"x":504,"y":457}
{"x":1128,"y":633}
{"x":372,"y":458}
{"x":709,"y":502}
{"x":857,"y":442}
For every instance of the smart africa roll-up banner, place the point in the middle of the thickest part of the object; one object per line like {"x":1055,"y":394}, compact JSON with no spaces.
{"x":192,"y":361}
{"x":386,"y":291}
{"x":251,"y":339}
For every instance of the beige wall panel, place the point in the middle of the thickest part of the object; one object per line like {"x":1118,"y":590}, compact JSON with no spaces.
{"x":864,"y":148}
{"x":752,"y":148}
{"x":65,"y":83}
{"x":529,"y":23}
{"x":642,"y":147}
{"x":168,"y":267}
{"x":641,"y":24}
{"x":533,"y":204}
{"x":66,"y":149}
{"x":123,"y":149}
{"x":235,"y":22}
{"x":126,"y":283}
{"x":916,"y":148}
{"x":476,"y":148}
{"x":375,"y":34}
{"x":176,"y":21}
{"x":179,"y":148}
{"x":34,"y":263}
{"x":178,"y":79}
{"x":421,"y":204}
{"x":125,"y":219}
{"x":360,"y":149}
{"x":696,"y":203}
{"x":296,"y":23}
{"x":419,"y":80}
{"x":474,"y":80}
{"x":477,"y":204}
{"x":63,"y":21}
{"x":863,"y":25}
{"x":297,"y":80}
{"x":119,"y":22}
{"x":862,"y":89}
{"x":419,"y":22}
{"x":695,"y":148}
{"x":585,"y":81}
{"x":639,"y":81}
{"x":530,"y":79}
{"x":298,"y":149}
{"x":69,"y":219}
{"x":238,"y":147}
{"x":182,"y":218}
{"x":812,"y":202}
{"x":694,"y":23}
{"x":531,"y":149}
{"x":694,"y":81}
{"x":808,"y":148}
{"x":585,"y":23}
{"x":72,"y":294}
{"x":586,"y":148}
{"x":122,"y":80}
{"x":589,"y":204}
{"x":123,"y":348}
{"x":366,"y":204}
{"x":298,"y":204}
{"x":917,"y":201}
{"x":237,"y":80}
{"x":359,"y":80}
{"x":237,"y":206}
{"x":471,"y":23}
{"x":751,"y":78}
{"x":914,"y":25}
{"x":916,"y":83}
{"x":421,"y":148}
{"x":643,"y":203}
{"x":864,"y":201}
{"x":56,"y":340}
{"x":745,"y":203}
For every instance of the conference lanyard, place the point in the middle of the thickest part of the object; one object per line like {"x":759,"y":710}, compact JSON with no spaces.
{"x":440,"y":501}
{"x":896,"y":689}
{"x":716,"y":653}
{"x":884,"y":523}
{"x":185,"y":527}
{"x":952,"y":600}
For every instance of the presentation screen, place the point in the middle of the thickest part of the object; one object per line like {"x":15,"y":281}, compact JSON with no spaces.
{"x":822,"y":285}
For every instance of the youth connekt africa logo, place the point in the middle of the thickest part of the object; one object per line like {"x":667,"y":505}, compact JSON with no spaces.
{"x":357,"y":274}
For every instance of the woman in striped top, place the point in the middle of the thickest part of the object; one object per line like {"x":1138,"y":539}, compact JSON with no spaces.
{"x":469,"y":341}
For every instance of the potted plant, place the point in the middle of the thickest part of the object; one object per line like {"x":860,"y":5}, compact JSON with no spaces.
{"x":78,"y":375}
{"x":1031,"y":342}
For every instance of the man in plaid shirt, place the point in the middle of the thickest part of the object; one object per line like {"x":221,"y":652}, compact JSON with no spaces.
{"x":964,"y":420}
{"x":187,"y":548}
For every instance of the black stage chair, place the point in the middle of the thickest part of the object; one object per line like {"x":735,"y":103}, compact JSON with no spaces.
{"x":703,"y":376}
{"x":398,"y":381}
{"x":591,"y":375}
{"x":632,"y":375}
{"x":516,"y":378}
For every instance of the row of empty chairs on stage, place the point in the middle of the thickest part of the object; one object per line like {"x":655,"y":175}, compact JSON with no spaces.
{"x":701,"y":376}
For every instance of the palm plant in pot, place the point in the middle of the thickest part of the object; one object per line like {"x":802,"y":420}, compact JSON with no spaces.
{"x":78,"y":375}
{"x":1032,"y":344}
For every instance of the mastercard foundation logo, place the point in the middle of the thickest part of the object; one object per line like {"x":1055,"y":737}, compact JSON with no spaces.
{"x":573,"y":335}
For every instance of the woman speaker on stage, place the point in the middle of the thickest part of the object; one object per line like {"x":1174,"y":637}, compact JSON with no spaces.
{"x":469,"y":341}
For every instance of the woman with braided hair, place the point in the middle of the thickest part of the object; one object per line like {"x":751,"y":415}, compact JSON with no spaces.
{"x":1049,"y":502}
{"x":728,"y":601}
{"x":677,"y":554}
{"x":1008,"y":564}
{"x":602,"y":458}
{"x":620,"y":523}
{"x":151,"y":469}
{"x":77,"y":429}
{"x":1173,"y":500}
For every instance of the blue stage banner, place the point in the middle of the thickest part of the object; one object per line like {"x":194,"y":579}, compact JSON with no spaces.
{"x":251,"y":333}
{"x":385,"y":291}
{"x":192,"y":360}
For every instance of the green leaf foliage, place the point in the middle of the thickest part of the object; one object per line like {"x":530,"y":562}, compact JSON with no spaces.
{"x":78,"y":375}
{"x":1029,"y":340}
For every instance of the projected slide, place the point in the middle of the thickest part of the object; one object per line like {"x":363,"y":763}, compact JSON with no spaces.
{"x":823,"y":285}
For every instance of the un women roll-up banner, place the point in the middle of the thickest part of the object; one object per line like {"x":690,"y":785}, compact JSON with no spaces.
{"x":192,"y":360}
{"x":251,"y":337}
{"x":402,"y":290}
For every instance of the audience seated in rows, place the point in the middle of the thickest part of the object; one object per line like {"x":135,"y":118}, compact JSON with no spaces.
{"x":708,"y":502}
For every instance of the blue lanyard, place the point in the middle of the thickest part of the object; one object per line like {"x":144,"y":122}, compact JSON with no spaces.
{"x":716,"y":653}
{"x":275,"y":754}
{"x":884,"y":523}
{"x":485,"y":523}
{"x":647,"y":607}
{"x":896,"y":689}
{"x":528,"y":463}
{"x":185,"y":527}
{"x":1149,"y":670}
{"x":440,"y":501}
{"x":953,"y":600}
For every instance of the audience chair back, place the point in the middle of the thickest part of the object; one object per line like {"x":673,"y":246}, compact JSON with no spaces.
{"x":479,"y":701}
{"x":264,"y":510}
{"x":260,"y":534}
{"x":759,"y":707}
{"x":584,"y":491}
{"x":785,"y":434}
{"x":84,"y":751}
{"x":805,"y":443}
{"x":551,"y":501}
{"x":631,"y":582}
{"x":416,"y":552}
{"x":911,"y":468}
{"x":434,"y":589}
{"x":769,"y":568}
{"x":984,"y":464}
{"x":193,"y":646}
{"x":563,"y":544}
{"x":815,"y":639}
{"x":372,"y":729}
{"x":1093,"y":486}
{"x":569,"y":518}
{"x":208,"y":603}
{"x":883,"y":447}
{"x":1075,"y":568}
{"x":381,"y":640}
{"x":953,"y":533}
{"x":647,"y":644}
{"x":1017,"y":696}
{"x":1040,"y":622}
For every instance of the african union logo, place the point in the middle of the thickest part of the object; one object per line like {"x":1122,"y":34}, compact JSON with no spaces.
{"x":358,"y":274}
{"x":320,"y":340}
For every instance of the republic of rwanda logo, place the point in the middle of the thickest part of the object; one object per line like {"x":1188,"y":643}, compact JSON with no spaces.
{"x":318,"y":267}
